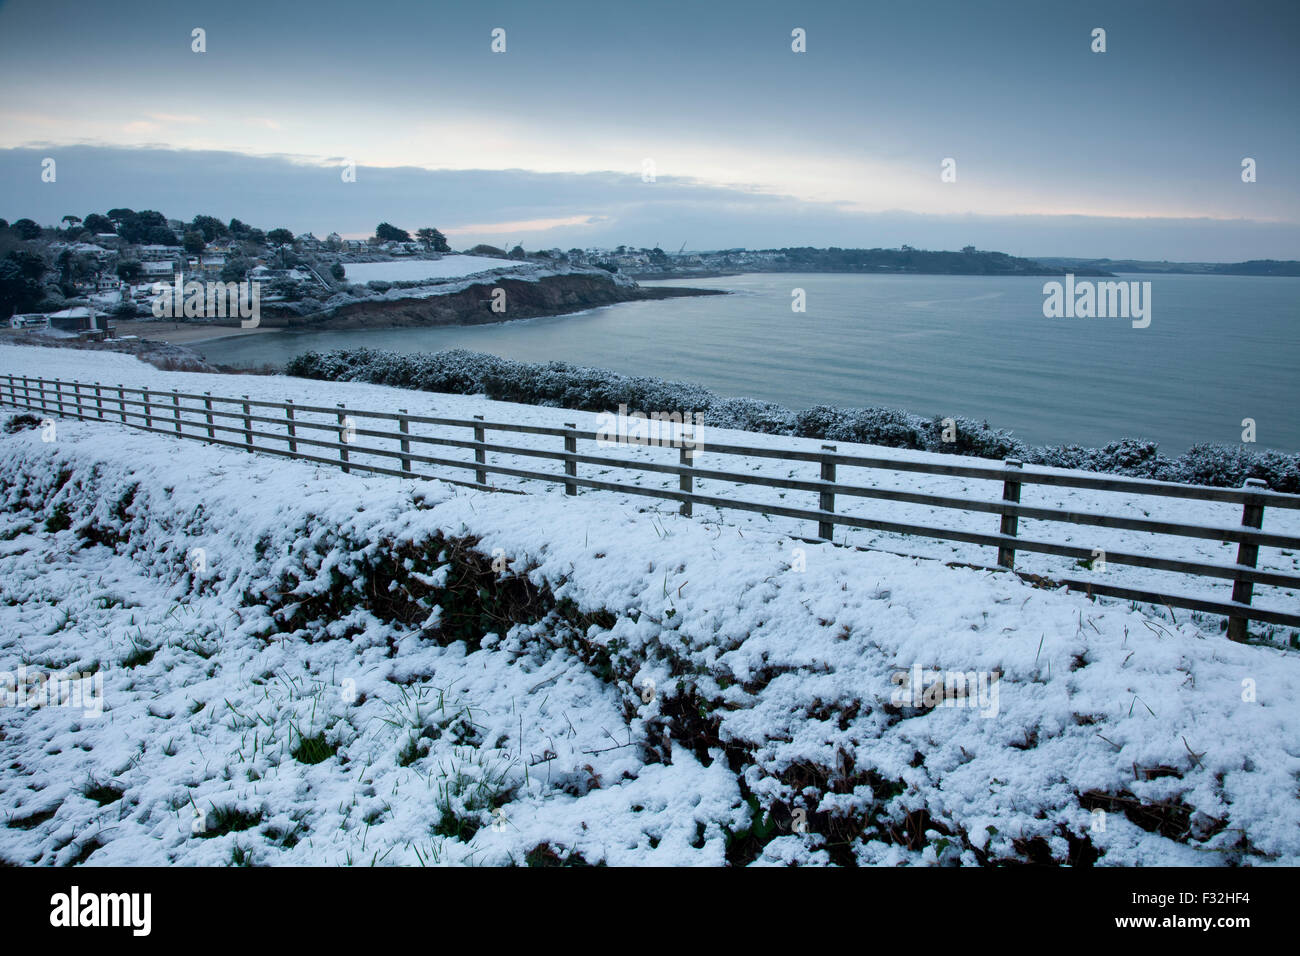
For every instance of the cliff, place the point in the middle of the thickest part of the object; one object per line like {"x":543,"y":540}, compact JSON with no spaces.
{"x":524,"y":299}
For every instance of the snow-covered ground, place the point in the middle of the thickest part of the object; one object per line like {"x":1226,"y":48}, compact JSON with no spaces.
{"x":408,"y":270}
{"x":111,"y":368}
{"x":299,"y":666}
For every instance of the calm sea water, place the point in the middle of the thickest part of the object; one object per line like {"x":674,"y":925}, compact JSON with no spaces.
{"x":1219,"y":349}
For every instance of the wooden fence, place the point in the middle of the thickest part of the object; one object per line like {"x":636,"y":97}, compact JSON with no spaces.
{"x":237,"y":422}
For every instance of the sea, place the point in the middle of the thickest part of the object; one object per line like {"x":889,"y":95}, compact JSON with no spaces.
{"x":1217,"y":362}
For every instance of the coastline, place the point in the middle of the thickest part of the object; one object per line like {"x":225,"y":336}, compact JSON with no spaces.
{"x":185,"y":333}
{"x":545,"y":297}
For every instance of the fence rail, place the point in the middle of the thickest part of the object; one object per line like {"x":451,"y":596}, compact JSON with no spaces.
{"x":237,"y":422}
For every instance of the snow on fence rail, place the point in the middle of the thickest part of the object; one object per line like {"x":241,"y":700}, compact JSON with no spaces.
{"x":165,"y":412}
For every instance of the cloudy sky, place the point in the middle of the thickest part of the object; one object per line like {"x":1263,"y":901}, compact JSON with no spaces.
{"x":1135,"y":152}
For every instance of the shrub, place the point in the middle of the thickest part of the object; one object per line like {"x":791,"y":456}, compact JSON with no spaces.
{"x":975,"y":438}
{"x":17,"y":423}
{"x":871,"y":426}
{"x":1230,"y":466}
{"x":561,"y":385}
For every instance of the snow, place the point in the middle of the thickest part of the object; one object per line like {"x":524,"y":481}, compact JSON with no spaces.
{"x":113,"y":368}
{"x":448,"y":267}
{"x":793,"y":671}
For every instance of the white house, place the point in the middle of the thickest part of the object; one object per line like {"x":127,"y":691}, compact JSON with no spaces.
{"x":157,"y":270}
{"x":155,"y":253}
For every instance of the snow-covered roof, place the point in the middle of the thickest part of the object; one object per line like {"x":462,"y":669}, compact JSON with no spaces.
{"x":76,"y":312}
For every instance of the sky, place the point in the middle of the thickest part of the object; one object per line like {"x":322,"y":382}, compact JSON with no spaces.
{"x":1059,"y":150}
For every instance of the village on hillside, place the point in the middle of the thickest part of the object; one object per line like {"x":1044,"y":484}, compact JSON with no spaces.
{"x":83,"y":275}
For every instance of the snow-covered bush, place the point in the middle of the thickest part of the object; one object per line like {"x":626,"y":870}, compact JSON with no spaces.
{"x":1230,"y":466}
{"x":979,"y":439}
{"x":561,"y":385}
{"x":871,"y":426}
{"x":751,"y":416}
{"x":1134,"y":457}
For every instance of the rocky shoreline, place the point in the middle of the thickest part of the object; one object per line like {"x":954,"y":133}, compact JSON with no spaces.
{"x":524,"y":299}
{"x":167,"y":345}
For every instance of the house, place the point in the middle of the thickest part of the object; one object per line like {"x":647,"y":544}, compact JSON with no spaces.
{"x":157,"y":271}
{"x":29,"y":320}
{"x":208,"y":264}
{"x":156,"y":253}
{"x":96,"y":252}
{"x":78,"y":319}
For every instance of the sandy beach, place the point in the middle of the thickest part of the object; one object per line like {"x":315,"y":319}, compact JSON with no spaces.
{"x":186,"y":333}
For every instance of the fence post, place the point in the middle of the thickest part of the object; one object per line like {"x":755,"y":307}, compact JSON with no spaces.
{"x":99,"y":401}
{"x":148,"y":419}
{"x":480,"y":455}
{"x":248,"y":424}
{"x":1252,"y":516}
{"x":292,"y":429}
{"x":207,"y":407}
{"x":76,"y":398}
{"x":121,"y":401}
{"x":1010,"y":523}
{"x":58,"y":395}
{"x":686,"y":483}
{"x":570,"y":466}
{"x":343,"y":439}
{"x":176,"y":410}
{"x":27,"y":392}
{"x":404,"y":426}
{"x":826,"y":499}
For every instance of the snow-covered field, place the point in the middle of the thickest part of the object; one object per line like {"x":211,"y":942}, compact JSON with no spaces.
{"x":111,"y":368}
{"x":448,"y":267}
{"x":302,"y":666}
